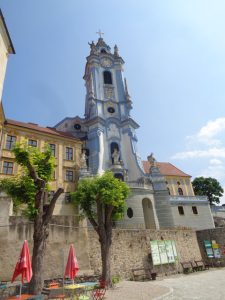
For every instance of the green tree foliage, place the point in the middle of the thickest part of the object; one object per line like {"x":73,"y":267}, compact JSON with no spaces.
{"x":102,"y":200}
{"x":22,"y":188}
{"x":28,"y":190}
{"x":209,"y":187}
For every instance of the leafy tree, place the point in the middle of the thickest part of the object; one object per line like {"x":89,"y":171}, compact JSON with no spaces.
{"x":30,"y":187}
{"x":209,"y":187}
{"x":102,"y":200}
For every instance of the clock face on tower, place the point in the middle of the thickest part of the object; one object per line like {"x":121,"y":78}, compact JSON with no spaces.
{"x":105,"y":62}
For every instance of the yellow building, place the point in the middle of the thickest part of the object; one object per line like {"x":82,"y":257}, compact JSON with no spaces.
{"x":65,"y":148}
{"x":178,"y":183}
{"x":6,"y":48}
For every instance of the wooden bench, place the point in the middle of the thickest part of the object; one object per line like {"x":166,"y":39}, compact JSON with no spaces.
{"x":187,"y":267}
{"x":194,"y":266}
{"x":143,"y":274}
{"x":202,"y":265}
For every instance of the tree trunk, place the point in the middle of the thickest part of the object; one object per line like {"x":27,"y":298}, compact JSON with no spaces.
{"x":39,"y":239}
{"x":105,"y":254}
{"x":105,"y":235}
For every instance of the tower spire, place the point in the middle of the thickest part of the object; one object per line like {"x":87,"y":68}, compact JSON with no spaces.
{"x":100,"y":33}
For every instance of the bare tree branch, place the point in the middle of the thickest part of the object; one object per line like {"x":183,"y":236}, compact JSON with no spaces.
{"x":47,"y":216}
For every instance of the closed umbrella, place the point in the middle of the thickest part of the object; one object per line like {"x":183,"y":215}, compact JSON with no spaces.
{"x":23,"y":265}
{"x":72,"y":264}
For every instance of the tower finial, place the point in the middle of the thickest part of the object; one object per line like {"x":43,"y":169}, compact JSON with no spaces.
{"x":100,"y":33}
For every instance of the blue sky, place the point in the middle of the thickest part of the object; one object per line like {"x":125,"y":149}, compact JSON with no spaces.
{"x":174,"y":54}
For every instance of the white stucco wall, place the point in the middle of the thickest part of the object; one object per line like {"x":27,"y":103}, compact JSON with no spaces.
{"x":203,"y":220}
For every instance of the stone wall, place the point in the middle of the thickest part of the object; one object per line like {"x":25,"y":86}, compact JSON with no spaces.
{"x":217,"y":234}
{"x":131,"y":249}
{"x":61,"y":235}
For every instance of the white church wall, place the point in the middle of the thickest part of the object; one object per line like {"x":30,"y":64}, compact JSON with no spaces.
{"x":202,"y":220}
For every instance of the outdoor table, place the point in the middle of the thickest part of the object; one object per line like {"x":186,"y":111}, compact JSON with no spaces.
{"x":22,"y":297}
{"x":75,"y":289}
{"x":89,"y":285}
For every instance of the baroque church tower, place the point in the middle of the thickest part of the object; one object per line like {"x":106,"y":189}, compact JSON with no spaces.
{"x":108,"y":132}
{"x":111,"y":140}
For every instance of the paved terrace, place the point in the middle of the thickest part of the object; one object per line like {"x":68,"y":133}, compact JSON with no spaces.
{"x":202,"y":285}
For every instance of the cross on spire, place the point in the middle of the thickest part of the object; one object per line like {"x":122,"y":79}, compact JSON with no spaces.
{"x":100,"y":33}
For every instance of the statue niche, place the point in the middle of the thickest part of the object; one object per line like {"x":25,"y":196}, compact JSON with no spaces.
{"x":115,"y":154}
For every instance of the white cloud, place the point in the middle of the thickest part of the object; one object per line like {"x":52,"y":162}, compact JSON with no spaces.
{"x":215,"y":161}
{"x":215,"y":171}
{"x":206,"y":135}
{"x":212,"y":152}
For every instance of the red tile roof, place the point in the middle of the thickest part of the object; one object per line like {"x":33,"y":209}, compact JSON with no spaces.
{"x":36,"y":127}
{"x":167,"y":169}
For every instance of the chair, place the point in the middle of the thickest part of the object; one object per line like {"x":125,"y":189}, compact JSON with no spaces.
{"x":99,"y":292}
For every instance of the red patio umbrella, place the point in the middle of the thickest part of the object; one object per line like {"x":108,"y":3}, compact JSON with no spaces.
{"x":23,"y":265}
{"x":72,"y":264}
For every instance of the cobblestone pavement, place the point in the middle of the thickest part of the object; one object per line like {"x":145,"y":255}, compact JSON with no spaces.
{"x":135,"y":290}
{"x":202,"y":285}
{"x":196,"y":286}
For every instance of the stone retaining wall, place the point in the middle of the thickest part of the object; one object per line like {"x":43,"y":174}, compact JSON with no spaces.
{"x":131,"y":249}
{"x":61,"y":235}
{"x":217,"y":234}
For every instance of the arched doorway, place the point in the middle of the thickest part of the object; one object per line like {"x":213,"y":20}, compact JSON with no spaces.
{"x":148,"y":214}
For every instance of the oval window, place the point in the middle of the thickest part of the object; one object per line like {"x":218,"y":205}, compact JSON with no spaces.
{"x":77,"y":126}
{"x":130,"y":212}
{"x":111,"y":110}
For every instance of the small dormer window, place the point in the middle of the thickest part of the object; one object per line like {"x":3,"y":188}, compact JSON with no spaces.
{"x":103,"y":51}
{"x":107,"y":77}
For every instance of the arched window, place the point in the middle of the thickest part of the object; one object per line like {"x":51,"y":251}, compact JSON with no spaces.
{"x":130,"y":212}
{"x":103,"y":51}
{"x":119,"y":176}
{"x":107,"y":77}
{"x":180,"y":191}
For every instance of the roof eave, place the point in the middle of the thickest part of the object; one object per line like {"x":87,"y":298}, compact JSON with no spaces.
{"x":7,"y":33}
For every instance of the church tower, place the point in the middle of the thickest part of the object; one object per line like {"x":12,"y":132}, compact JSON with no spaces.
{"x":111,"y":139}
{"x":110,"y":142}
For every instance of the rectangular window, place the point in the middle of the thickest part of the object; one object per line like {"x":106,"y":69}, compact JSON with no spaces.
{"x":69,"y":175}
{"x":67,"y":197}
{"x":181,"y":210}
{"x":32,"y":143}
{"x":7,"y":167}
{"x":69,"y":153}
{"x":10,"y":142}
{"x":194,"y":210}
{"x":52,"y":147}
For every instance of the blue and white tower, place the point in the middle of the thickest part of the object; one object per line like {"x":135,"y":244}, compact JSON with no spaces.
{"x":108,"y":132}
{"x":111,"y":139}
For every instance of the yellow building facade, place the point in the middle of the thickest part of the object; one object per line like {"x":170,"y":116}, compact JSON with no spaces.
{"x":65,"y":148}
{"x":178,"y":183}
{"x":6,"y":48}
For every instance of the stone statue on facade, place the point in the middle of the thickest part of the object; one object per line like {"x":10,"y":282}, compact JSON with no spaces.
{"x":83,"y":160}
{"x":93,"y":47}
{"x":152,"y":160}
{"x":116,"y":156}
